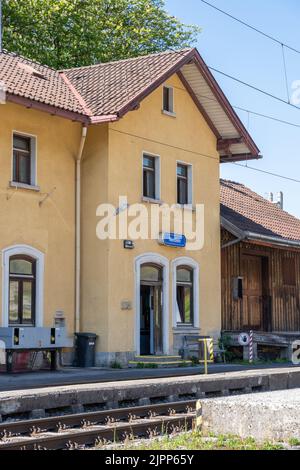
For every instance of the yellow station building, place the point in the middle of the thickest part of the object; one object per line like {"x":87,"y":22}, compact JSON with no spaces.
{"x":152,"y":131}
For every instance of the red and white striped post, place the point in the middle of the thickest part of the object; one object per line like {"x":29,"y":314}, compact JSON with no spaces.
{"x":251,"y":352}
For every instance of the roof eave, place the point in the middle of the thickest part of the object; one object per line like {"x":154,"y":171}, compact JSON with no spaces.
{"x":104,"y":118}
{"x":239,"y":157}
{"x":53,"y":110}
{"x":220,"y":96}
{"x":245,"y":235}
{"x":283,"y":242}
{"x":194,"y":56}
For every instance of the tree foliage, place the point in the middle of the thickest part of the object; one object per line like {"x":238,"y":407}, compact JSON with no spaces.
{"x":71,"y":33}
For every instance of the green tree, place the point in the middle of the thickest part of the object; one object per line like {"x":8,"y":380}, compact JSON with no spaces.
{"x":71,"y":33}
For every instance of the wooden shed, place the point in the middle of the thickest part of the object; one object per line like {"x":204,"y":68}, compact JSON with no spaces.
{"x":260,"y":245}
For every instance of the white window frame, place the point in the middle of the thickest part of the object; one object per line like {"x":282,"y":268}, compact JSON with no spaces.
{"x":38,"y":256}
{"x":172,"y":94}
{"x":33,"y":161}
{"x":192,"y":264}
{"x":190,"y":182}
{"x":157,"y":176}
{"x":161,"y":261}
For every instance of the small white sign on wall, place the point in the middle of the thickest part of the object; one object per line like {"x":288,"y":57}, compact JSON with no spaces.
{"x":126,"y":305}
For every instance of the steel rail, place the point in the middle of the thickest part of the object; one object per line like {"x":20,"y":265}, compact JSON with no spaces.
{"x":95,"y":435}
{"x":71,"y":431}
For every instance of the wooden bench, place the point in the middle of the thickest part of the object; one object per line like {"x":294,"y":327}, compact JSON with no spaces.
{"x":191,"y":347}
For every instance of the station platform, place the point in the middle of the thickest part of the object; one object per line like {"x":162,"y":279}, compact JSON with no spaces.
{"x":129,"y":390}
{"x":71,"y":375}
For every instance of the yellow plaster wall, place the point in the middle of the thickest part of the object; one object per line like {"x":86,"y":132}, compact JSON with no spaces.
{"x":182,"y":138}
{"x":94,"y":253}
{"x":49,"y":228}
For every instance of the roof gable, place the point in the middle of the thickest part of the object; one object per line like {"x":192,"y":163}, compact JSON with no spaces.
{"x":115,"y":88}
{"x":106,"y":92}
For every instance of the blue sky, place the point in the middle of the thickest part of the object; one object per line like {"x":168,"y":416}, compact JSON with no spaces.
{"x":234,"y":49}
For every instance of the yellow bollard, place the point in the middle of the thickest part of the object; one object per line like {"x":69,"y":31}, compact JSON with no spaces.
{"x":208,"y":346}
{"x":205,"y":357}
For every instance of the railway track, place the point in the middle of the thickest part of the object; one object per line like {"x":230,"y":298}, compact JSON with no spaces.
{"x":90,"y":429}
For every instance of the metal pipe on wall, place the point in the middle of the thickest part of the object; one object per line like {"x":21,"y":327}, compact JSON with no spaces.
{"x":78,"y":229}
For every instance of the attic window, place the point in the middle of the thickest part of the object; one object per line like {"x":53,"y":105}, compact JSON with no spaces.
{"x":168,"y":100}
{"x":31,"y":71}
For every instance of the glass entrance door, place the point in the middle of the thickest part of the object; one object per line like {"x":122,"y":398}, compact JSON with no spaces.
{"x":151,"y":333}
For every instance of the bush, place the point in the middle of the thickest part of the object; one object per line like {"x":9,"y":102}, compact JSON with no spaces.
{"x":115,"y":365}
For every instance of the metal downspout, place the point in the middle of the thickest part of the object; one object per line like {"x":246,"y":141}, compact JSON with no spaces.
{"x":78,"y":230}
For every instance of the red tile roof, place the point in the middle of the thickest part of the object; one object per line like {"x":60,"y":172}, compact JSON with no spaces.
{"x":33,"y":81}
{"x":249,"y":212}
{"x":107,"y":88}
{"x":106,"y":92}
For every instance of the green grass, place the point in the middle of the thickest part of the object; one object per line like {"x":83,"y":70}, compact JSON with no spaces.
{"x":294,"y":442}
{"x":195,"y":441}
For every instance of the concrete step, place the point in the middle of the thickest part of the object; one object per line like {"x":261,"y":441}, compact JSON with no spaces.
{"x":159,"y":362}
{"x":152,"y":359}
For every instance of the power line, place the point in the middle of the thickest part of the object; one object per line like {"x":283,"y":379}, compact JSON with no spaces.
{"x":255,"y":113}
{"x":211,"y":157}
{"x":253,"y":87}
{"x":266,"y":172}
{"x":205,"y":155}
{"x":270,"y":95}
{"x":268,"y":36}
{"x":272,"y":118}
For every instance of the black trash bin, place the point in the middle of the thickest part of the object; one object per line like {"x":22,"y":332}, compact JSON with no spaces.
{"x":85,"y":344}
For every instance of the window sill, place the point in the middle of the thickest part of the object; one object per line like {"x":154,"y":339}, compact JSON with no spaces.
{"x":168,"y":113}
{"x":185,"y":328}
{"x":15,"y":185}
{"x":188,"y":207}
{"x":149,"y":200}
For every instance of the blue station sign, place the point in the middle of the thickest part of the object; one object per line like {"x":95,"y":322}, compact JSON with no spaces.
{"x":172,"y":239}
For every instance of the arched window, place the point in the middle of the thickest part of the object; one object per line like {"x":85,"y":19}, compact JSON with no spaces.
{"x":184,"y":295}
{"x":22,"y":290}
{"x":151,"y":273}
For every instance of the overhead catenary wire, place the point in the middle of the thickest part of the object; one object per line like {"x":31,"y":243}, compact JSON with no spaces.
{"x":253,"y":87}
{"x":277,"y":41}
{"x":255,"y":113}
{"x":249,"y":85}
{"x":277,"y":175}
{"x":268,"y":36}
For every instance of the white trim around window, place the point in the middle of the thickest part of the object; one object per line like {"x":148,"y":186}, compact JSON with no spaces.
{"x":157,"y":175}
{"x":33,"y":161}
{"x":190,"y":180}
{"x":152,"y":258}
{"x":190,"y":263}
{"x":38,"y":256}
{"x":171,"y":105}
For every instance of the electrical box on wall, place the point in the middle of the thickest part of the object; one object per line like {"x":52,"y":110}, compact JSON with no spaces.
{"x":22,"y":338}
{"x":237,"y":288}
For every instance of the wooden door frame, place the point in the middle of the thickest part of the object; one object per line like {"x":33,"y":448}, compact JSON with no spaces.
{"x":266,"y":321}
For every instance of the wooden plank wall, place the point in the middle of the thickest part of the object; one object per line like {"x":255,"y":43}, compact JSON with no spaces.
{"x":285,"y":299}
